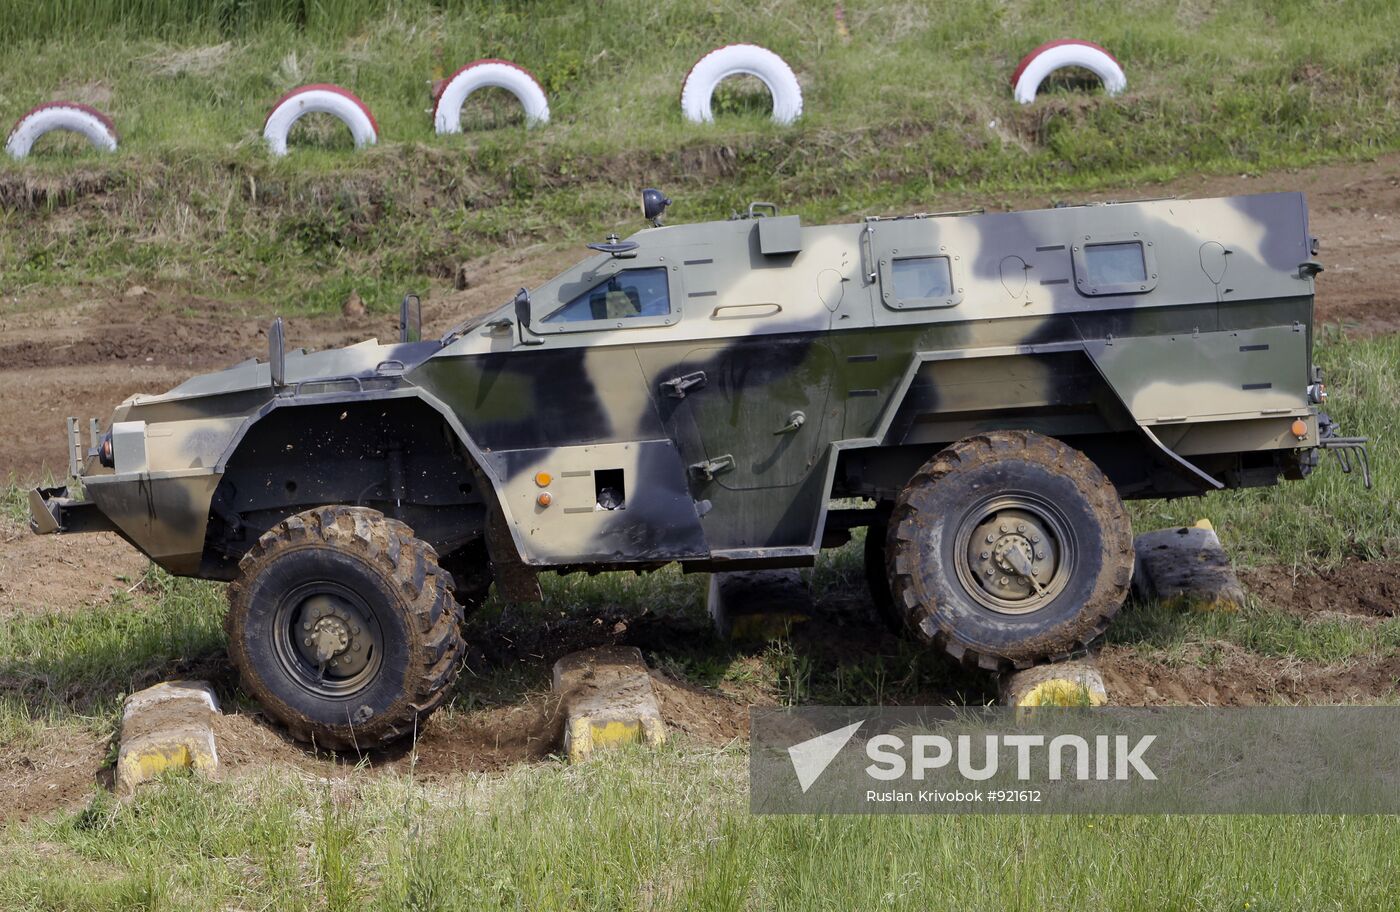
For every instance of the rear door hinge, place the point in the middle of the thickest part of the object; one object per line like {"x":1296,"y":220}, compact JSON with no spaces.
{"x":712,"y":467}
{"x":676,"y":387}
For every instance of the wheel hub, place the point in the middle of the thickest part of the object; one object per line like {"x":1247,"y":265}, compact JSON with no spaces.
{"x":330,"y":637}
{"x":1013,"y":556}
{"x":333,"y":636}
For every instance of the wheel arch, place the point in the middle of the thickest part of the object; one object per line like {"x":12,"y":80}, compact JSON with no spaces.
{"x":1055,"y":390}
{"x":338,"y":441}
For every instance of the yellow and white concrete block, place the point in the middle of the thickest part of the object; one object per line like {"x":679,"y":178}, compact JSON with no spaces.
{"x":1061,"y":684}
{"x":607,"y":700}
{"x":168,"y":726}
{"x":1186,"y":567}
{"x":758,"y":605}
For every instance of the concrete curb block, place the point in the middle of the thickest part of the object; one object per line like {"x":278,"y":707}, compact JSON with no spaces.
{"x":607,"y":700}
{"x":1061,"y":684}
{"x":168,"y":726}
{"x":1186,"y":567}
{"x":757,"y":605}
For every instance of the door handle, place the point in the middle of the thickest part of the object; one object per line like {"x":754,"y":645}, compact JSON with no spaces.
{"x":795,"y":421}
{"x":676,"y":387}
{"x":712,"y":467}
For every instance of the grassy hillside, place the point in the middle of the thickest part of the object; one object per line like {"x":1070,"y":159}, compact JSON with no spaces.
{"x":911,"y":109}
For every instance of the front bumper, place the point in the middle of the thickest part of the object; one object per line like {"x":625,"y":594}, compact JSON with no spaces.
{"x":52,"y":510}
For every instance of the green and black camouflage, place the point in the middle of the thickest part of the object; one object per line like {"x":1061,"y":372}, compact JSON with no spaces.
{"x":701,"y":393}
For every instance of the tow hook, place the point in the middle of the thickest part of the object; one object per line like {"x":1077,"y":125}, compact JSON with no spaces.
{"x":1350,"y":451}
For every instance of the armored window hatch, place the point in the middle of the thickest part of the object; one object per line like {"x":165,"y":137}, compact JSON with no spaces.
{"x":1114,"y":265}
{"x":922,"y":277}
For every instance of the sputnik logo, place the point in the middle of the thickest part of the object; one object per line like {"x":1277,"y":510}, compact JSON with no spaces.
{"x":810,"y":758}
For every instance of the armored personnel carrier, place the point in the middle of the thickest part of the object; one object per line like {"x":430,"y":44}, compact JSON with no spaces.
{"x":982,"y":391}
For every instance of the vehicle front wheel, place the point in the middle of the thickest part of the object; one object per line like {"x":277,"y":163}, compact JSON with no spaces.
{"x":1008,"y":549}
{"x":343,"y":627}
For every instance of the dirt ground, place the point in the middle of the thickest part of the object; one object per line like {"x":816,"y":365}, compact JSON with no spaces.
{"x":85,"y":352}
{"x":60,"y":768}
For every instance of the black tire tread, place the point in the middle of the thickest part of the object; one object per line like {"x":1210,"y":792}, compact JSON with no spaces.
{"x":1108,"y":596}
{"x":391,"y":549}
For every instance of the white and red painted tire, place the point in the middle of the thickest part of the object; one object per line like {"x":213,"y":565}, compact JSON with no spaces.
{"x":1067,"y":52}
{"x":319,"y":98}
{"x":480,"y":74}
{"x":61,"y":115}
{"x":736,"y":60}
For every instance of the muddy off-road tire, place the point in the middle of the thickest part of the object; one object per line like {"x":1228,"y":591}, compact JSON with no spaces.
{"x":344,"y":628}
{"x":983,"y":508}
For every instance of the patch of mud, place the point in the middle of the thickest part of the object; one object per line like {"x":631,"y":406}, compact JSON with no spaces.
{"x":63,"y":573}
{"x":454,"y":742}
{"x":450,"y":743}
{"x":56,"y":772}
{"x":702,"y":715}
{"x":1227,"y":675}
{"x":37,"y":400}
{"x":145,"y":327}
{"x":1355,"y":589}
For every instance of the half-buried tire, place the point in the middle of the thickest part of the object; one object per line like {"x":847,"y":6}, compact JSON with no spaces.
{"x":320,"y":98}
{"x":1067,"y":52}
{"x":1008,"y":549}
{"x":741,"y":60}
{"x":481,"y":74}
{"x":61,"y":115}
{"x":344,"y":628}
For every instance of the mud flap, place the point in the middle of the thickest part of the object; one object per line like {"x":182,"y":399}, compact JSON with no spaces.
{"x":515,"y":581}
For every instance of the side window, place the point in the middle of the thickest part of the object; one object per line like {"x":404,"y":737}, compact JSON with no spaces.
{"x":628,"y":294}
{"x":1113,"y":264}
{"x":1114,"y":267}
{"x":919,"y":279}
{"x":922,"y":277}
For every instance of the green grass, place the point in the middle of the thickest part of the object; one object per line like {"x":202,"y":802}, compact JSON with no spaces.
{"x":1157,"y":630}
{"x":913,"y":112}
{"x":669,"y":830}
{"x":87,"y":661}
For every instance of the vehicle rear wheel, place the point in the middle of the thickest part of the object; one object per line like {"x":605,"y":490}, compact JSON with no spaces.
{"x":1008,"y":549}
{"x":343,"y":626}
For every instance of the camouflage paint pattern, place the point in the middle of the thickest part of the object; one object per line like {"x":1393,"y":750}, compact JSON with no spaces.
{"x":811,"y":369}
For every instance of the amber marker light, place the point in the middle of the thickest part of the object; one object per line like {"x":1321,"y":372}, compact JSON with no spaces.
{"x":543,"y":479}
{"x":1300,"y":429}
{"x":545,"y":499}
